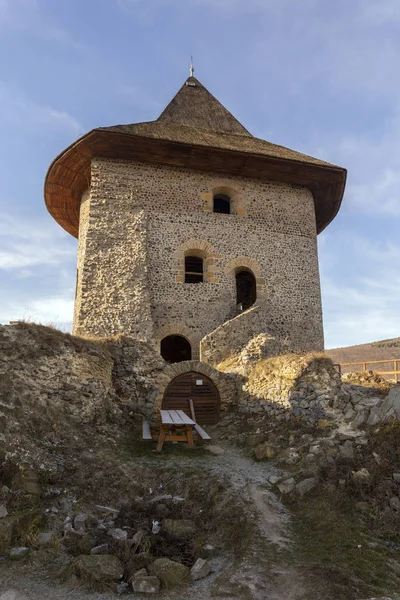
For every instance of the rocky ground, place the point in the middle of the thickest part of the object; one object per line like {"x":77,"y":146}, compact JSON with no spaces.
{"x":297,"y":497}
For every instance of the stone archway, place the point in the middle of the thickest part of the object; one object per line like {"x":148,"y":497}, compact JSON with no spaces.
{"x":229,"y":386}
{"x":202,"y":392}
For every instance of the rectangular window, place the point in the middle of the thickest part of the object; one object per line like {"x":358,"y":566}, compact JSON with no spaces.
{"x":193,"y":269}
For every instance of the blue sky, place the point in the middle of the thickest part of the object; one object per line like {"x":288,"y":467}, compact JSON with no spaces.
{"x":318,"y":76}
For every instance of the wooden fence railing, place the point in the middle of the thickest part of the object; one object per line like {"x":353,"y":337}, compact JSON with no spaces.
{"x":366,"y":366}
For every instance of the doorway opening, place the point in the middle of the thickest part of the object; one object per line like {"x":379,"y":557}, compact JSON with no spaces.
{"x":246,"y":290}
{"x":198,"y":388}
{"x":175,"y":348}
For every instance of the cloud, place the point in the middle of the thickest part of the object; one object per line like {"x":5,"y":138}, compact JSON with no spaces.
{"x":373,"y":163}
{"x":360,"y":294}
{"x":50,"y":310}
{"x":19,"y":111}
{"x":25,"y":245}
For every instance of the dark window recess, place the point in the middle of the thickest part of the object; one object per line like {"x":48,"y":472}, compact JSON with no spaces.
{"x":175,"y":348}
{"x":246,"y":290}
{"x":222,"y":204}
{"x":193,"y":269}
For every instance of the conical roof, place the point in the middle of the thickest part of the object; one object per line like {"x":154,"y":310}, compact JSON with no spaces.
{"x":194,"y":106}
{"x":195,"y":131}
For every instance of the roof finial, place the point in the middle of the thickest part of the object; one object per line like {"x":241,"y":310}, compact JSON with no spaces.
{"x":191,"y":67}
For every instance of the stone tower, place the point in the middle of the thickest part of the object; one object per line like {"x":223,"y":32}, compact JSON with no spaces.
{"x":188,"y":223}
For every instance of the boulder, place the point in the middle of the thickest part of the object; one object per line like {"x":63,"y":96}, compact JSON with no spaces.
{"x":305,"y":486}
{"x":18,"y":553}
{"x":80,"y":522}
{"x":3,"y":511}
{"x":179,"y":528}
{"x":169,"y":572}
{"x":266,"y":450}
{"x":44,"y":539}
{"x":287,"y":486}
{"x":347,"y":450}
{"x":102,"y":568}
{"x":148,"y":584}
{"x":214,"y":449}
{"x":363,"y":476}
{"x":118,"y":534}
{"x":102,"y":549}
{"x":200,"y":569}
{"x":395,"y":503}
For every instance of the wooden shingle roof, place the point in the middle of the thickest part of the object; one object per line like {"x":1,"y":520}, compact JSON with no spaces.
{"x":194,"y":131}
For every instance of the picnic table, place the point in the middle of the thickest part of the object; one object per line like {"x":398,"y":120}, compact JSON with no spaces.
{"x":175,"y":426}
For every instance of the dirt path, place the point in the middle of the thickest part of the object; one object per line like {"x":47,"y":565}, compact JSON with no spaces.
{"x":250,"y":483}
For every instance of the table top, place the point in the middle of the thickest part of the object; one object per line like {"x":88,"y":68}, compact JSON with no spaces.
{"x":175,"y":417}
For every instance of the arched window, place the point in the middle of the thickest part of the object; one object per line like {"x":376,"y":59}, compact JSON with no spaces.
{"x":222,"y":204}
{"x":246,"y":289}
{"x":193,"y":269}
{"x":175,"y":348}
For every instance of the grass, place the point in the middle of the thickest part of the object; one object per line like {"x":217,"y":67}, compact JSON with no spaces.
{"x":332,"y":537}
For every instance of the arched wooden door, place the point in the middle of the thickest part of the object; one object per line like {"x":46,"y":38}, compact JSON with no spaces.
{"x":201,"y":390}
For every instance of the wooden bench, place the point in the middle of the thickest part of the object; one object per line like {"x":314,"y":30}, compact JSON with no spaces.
{"x":203,"y":434}
{"x":146,"y":433}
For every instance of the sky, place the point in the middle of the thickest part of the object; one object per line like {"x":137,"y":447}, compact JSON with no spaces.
{"x":318,"y":76}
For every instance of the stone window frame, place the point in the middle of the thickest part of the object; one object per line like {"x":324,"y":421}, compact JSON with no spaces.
{"x":247,"y":263}
{"x":182,"y":330}
{"x":238,"y":205}
{"x":202,"y":249}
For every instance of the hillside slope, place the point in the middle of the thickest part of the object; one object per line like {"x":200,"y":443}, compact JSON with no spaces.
{"x":381,"y":350}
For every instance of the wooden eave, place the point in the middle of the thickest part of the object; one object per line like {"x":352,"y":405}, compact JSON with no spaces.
{"x":69,"y":174}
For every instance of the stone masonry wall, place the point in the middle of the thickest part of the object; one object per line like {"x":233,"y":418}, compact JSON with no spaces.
{"x":143,"y":220}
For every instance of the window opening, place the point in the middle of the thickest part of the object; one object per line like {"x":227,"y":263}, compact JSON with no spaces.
{"x":246,"y":290}
{"x":222,"y":204}
{"x":193,"y":269}
{"x":175,"y":348}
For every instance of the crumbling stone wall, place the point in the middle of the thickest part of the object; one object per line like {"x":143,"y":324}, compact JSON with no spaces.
{"x":142,"y":218}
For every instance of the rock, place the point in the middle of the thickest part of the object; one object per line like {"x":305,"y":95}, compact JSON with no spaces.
{"x":141,"y":573}
{"x":349,"y":415}
{"x":200,"y":569}
{"x":396,"y":477}
{"x":169,"y":572}
{"x":44,"y":539}
{"x":102,"y":549}
{"x":118,"y":534}
{"x":105,"y":568}
{"x":122,"y":588}
{"x":6,"y":533}
{"x":395,"y":503}
{"x":18,"y":553}
{"x":305,"y":486}
{"x":363,"y":476}
{"x":214,"y":449}
{"x":80,"y":522}
{"x":107,"y":510}
{"x":3,"y":511}
{"x":287,"y":486}
{"x":274,"y":479}
{"x":265,"y":450}
{"x":209,"y":549}
{"x":148,"y":584}
{"x":347,"y":450}
{"x":179,"y":528}
{"x":137,"y":538}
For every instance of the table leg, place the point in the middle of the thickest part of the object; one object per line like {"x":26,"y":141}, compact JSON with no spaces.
{"x":161,"y":438}
{"x":189,"y":435}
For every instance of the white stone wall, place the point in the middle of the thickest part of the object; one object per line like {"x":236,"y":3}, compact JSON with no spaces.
{"x":143,"y":218}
